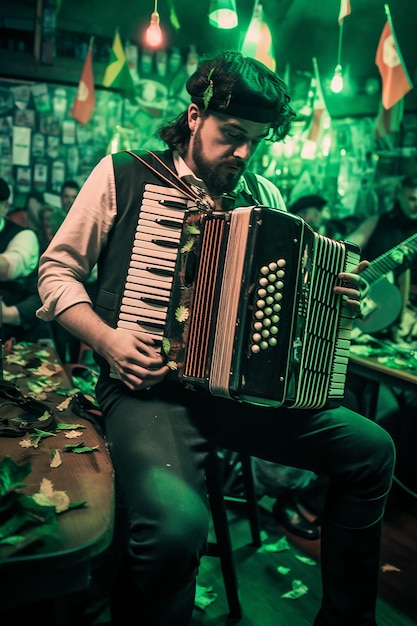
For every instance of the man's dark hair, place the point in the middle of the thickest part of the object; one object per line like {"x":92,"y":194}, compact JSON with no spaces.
{"x":238,"y":86}
{"x":72,"y":184}
{"x":409,"y":182}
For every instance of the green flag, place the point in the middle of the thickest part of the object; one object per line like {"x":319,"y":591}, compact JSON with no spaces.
{"x":117,"y":74}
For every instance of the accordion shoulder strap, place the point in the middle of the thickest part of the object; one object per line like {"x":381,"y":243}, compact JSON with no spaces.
{"x":176,"y":181}
{"x":252,"y":183}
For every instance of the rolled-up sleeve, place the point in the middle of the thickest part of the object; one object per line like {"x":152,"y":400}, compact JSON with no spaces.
{"x":75,"y":248}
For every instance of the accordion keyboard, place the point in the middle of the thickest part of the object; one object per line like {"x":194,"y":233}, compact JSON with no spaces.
{"x":153,"y":259}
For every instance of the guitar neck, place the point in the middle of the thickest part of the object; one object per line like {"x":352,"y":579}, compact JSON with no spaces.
{"x":390,"y":260}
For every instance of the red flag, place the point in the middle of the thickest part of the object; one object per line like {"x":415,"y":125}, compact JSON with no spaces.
{"x":344,"y":10}
{"x":85,"y":99}
{"x":395,"y":80}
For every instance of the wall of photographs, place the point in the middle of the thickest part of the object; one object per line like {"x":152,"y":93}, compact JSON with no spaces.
{"x":41,"y":145}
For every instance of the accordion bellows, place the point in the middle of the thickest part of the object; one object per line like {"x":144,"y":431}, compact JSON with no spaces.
{"x":241,"y":302}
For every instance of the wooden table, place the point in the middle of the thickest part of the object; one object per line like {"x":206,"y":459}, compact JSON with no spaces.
{"x":60,"y":565}
{"x":376,"y":373}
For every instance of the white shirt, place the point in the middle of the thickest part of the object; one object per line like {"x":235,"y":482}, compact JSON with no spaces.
{"x":22,"y":253}
{"x":76,"y":246}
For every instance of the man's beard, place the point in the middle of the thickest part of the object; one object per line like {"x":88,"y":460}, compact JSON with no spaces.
{"x":217,"y":178}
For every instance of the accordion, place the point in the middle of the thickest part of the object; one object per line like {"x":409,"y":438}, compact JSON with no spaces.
{"x":241,"y":303}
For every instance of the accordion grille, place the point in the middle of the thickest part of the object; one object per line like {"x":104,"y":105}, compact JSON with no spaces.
{"x":328,"y":321}
{"x":204,"y":300}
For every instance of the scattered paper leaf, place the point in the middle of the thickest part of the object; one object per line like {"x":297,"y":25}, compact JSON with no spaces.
{"x":37,"y":436}
{"x":279,"y":546}
{"x":12,"y":377}
{"x":305,"y":559}
{"x":73,"y":434}
{"x":389,"y":568}
{"x":64,"y":404}
{"x":26,"y":442}
{"x":299,"y":589}
{"x":77,"y":505}
{"x":44,"y":433}
{"x":56,"y":459}
{"x":47,"y":496}
{"x":62,"y":426}
{"x":79,"y":448}
{"x":48,"y":369}
{"x":204,"y":596}
{"x":12,"y":474}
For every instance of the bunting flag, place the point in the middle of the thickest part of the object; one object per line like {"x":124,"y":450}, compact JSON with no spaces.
{"x":388,"y":121}
{"x":117,"y":74}
{"x":319,"y":115}
{"x":344,"y":10}
{"x":258,"y":40}
{"x":320,"y":111}
{"x":395,"y":80}
{"x":85,"y":99}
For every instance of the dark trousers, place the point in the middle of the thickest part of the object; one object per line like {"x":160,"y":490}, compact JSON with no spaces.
{"x":158,"y":441}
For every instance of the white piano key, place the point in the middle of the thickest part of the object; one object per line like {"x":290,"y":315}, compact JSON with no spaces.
{"x":174,"y":230}
{"x":149,"y":260}
{"x":165,"y":236}
{"x":156,"y":331}
{"x":133,"y":290}
{"x":144,"y":314}
{"x":150,"y":212}
{"x":152,"y":304}
{"x":148,"y":278}
{"x":149,"y":249}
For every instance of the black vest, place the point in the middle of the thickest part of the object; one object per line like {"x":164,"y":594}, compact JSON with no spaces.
{"x":113,"y":263}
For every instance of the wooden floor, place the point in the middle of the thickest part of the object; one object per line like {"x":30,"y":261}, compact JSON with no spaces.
{"x":261,"y":583}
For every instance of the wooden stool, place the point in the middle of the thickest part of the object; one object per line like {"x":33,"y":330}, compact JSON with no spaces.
{"x":222,"y":547}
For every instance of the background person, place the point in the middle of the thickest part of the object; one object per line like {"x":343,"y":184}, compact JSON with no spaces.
{"x":67,"y":345}
{"x":68,"y":193}
{"x":390,"y":229}
{"x":28,"y":215}
{"x":159,"y":432}
{"x":19,"y":258}
{"x":313,"y":209}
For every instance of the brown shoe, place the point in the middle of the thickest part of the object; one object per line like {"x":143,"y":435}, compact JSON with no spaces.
{"x":290,"y":517}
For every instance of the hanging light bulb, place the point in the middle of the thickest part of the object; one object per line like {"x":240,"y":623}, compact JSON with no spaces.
{"x":223,"y":14}
{"x":153,"y":35}
{"x":336,"y":84}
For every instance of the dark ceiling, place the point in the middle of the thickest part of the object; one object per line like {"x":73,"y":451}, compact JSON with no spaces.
{"x":302,"y":29}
